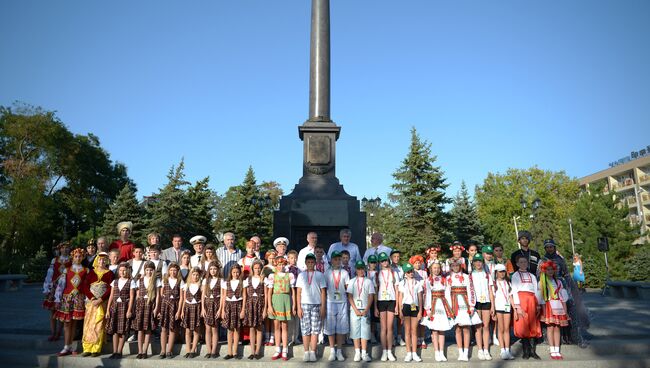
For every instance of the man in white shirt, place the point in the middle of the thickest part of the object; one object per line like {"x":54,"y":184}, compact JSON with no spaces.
{"x":312,"y":242}
{"x":377,"y":246}
{"x":228,"y":255}
{"x":345,"y":244}
{"x":198,"y":242}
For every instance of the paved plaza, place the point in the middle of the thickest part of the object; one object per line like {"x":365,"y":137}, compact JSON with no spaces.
{"x":619,"y":336}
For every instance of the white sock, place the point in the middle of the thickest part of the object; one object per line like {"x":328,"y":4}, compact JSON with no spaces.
{"x":277,"y":349}
{"x":363,"y":352}
{"x":285,"y":350}
{"x":357,"y":350}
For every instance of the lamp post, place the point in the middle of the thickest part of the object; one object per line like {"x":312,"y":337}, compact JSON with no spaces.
{"x":370,"y":205}
{"x":537,"y":203}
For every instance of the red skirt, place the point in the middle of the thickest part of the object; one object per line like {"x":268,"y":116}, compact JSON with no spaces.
{"x":528,"y":326}
{"x":550,"y":318}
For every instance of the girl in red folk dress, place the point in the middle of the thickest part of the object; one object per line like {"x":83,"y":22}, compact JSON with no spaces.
{"x":439,"y":317}
{"x":527,"y":299}
{"x":457,"y":250}
{"x":97,"y":288}
{"x":120,"y":307}
{"x":147,"y":305}
{"x":170,"y":313}
{"x":554,"y":311}
{"x":56,"y":269}
{"x":255,"y":307}
{"x":191,"y":312}
{"x":210,"y":308}
{"x":462,"y":305}
{"x":70,"y":300}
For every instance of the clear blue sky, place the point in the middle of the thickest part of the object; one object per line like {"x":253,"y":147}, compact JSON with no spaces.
{"x":564,"y":85}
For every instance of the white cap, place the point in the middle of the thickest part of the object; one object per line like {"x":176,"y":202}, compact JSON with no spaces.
{"x":198,"y":239}
{"x":281,"y":239}
{"x":499,"y":267}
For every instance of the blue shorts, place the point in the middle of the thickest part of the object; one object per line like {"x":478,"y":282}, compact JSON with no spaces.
{"x":359,"y":326}
{"x":337,"y":319}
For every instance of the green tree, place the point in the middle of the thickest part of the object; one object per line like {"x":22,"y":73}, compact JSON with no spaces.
{"x":464,"y":220}
{"x":125,"y":207}
{"x":419,"y":197}
{"x":599,"y":214}
{"x":498,"y":203}
{"x":169,"y":211}
{"x":202,"y":207}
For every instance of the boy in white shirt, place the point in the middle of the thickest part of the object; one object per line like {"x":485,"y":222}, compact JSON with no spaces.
{"x":337,"y":324}
{"x":361,"y":293}
{"x":310,"y":300}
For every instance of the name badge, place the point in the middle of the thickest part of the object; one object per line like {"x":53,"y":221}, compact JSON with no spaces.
{"x":358,"y":303}
{"x":482,"y":299}
{"x":506,"y":308}
{"x":337,"y":295}
{"x":384,"y":295}
{"x":414,"y":307}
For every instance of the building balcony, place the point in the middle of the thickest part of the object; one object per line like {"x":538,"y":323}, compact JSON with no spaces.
{"x":630,"y":201}
{"x":628,"y":184}
{"x":644,"y":179}
{"x":645,"y":198}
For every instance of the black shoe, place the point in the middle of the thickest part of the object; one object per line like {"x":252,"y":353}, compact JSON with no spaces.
{"x":533,"y":353}
{"x":238,"y":357}
{"x":251,"y":357}
{"x":258,"y":357}
{"x":85,"y":354}
{"x":207,"y":356}
{"x":228,"y":357}
{"x":188,"y":355}
{"x":95,"y":355}
{"x":170,"y":355}
{"x":162,"y":356}
{"x":526,"y":348}
{"x":144,"y":356}
{"x":215,"y":356}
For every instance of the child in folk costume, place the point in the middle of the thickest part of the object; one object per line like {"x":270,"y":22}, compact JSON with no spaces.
{"x":269,"y":268}
{"x":137,"y":262}
{"x":279,"y":301}
{"x":185,"y":265}
{"x":191,"y":311}
{"x":527,"y":300}
{"x":57,"y":268}
{"x":209,"y":256}
{"x":311,"y":303}
{"x":255,"y":307}
{"x":97,"y":288}
{"x":211,"y":308}
{"x":439,"y":316}
{"x":232,"y":311}
{"x":554,"y":310}
{"x":294,"y":324}
{"x":462,"y":305}
{"x":337,"y":323}
{"x":432,"y":256}
{"x":321,"y":262}
{"x":247,"y":261}
{"x":410,"y":303}
{"x":120,"y":307}
{"x":170,"y":311}
{"x":420,"y":274}
{"x":503,"y":308}
{"x":160,"y":265}
{"x":482,"y":287}
{"x":457,"y":250}
{"x":386,"y":305}
{"x":360,"y":295}
{"x":69,"y":299}
{"x":147,"y":304}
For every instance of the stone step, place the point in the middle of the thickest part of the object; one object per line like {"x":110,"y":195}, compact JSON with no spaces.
{"x":48,"y":361}
{"x":598,"y":348}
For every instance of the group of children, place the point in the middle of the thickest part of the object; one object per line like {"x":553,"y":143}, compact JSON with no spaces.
{"x":276,"y":299}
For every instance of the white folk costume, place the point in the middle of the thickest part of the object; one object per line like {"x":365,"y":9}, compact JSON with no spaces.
{"x":462,"y":297}
{"x":440,"y":316}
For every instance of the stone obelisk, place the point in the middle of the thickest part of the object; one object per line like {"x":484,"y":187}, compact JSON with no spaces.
{"x":319,"y":202}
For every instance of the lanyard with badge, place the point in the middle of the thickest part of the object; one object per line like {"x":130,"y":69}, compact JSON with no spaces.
{"x":337,"y":281}
{"x":358,"y":301}
{"x":506,"y":306}
{"x":384,"y":293}
{"x":410,"y":286}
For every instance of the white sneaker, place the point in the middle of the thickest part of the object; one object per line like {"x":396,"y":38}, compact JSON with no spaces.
{"x":391,"y":357}
{"x":436,"y":356}
{"x":486,"y":355}
{"x":384,"y":356}
{"x":481,"y":356}
{"x":442,"y":356}
{"x":408,"y":357}
{"x":312,"y":356}
{"x":305,"y":357}
{"x":460,"y":354}
{"x":357,"y":356}
{"x":416,"y":357}
{"x":339,"y":355}
{"x":402,"y":342}
{"x":504,"y":355}
{"x":366,"y":357}
{"x":332,"y":355}
{"x":132,"y":338}
{"x":465,"y":356}
{"x":510,"y":356}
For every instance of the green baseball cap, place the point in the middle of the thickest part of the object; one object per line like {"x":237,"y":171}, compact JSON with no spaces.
{"x":372,"y":259}
{"x":406,"y":267}
{"x":477,"y":257}
{"x":360,"y":264}
{"x":335,"y":254}
{"x":487,"y":249}
{"x":310,"y":256}
{"x":382,"y":257}
{"x":395,"y":251}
